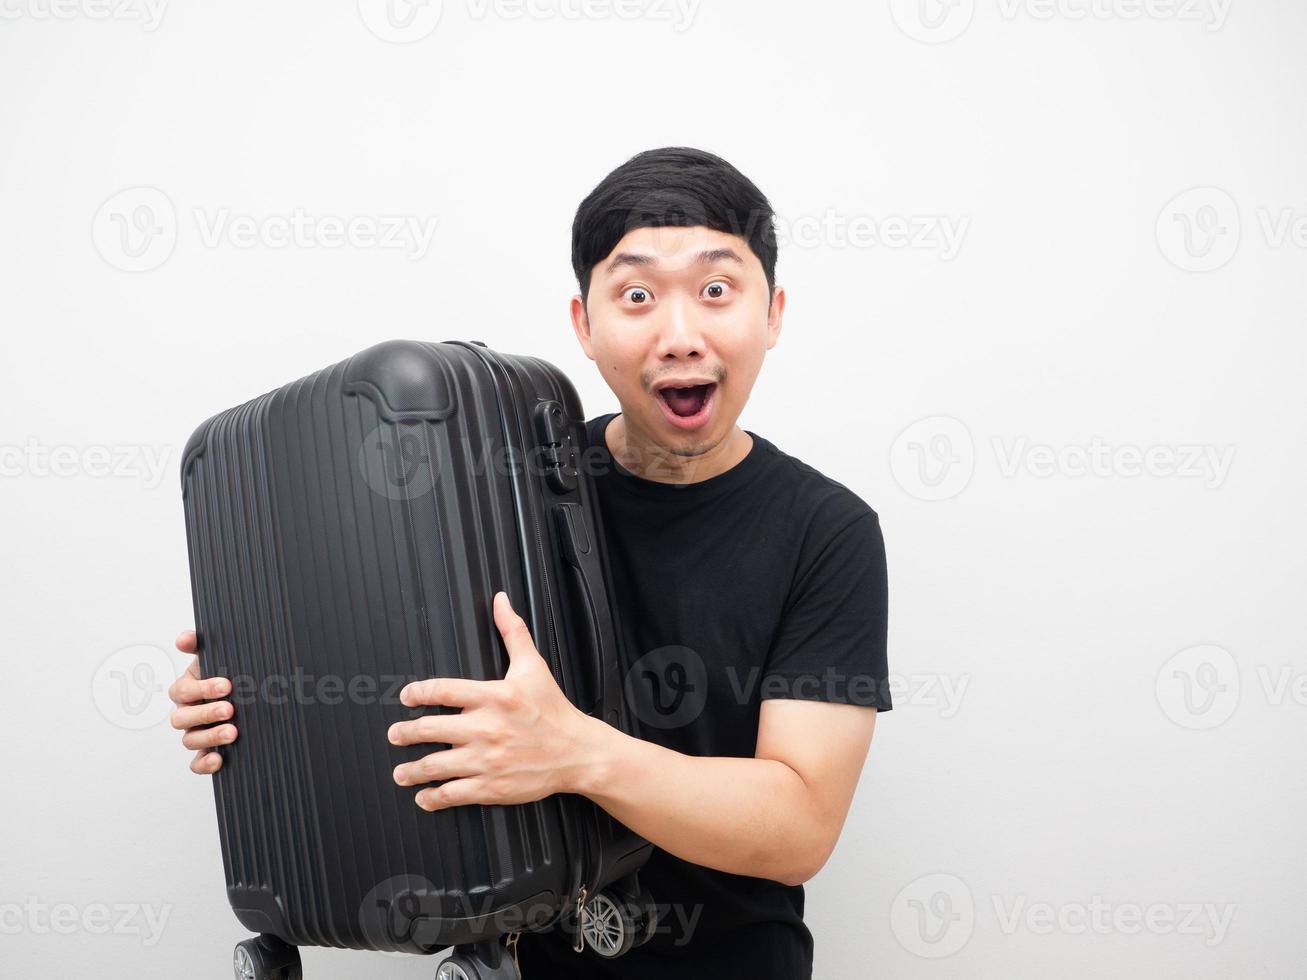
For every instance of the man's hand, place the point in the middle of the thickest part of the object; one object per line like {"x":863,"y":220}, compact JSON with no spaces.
{"x":189,"y":692}
{"x":516,"y":740}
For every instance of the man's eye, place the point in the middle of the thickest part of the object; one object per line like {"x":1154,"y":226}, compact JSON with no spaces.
{"x":637,"y":294}
{"x":715,"y":290}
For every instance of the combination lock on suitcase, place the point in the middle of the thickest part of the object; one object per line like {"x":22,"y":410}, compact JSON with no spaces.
{"x":347,"y":533}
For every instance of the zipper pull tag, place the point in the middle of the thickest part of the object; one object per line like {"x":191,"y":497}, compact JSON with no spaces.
{"x":580,"y":921}
{"x":511,"y":945}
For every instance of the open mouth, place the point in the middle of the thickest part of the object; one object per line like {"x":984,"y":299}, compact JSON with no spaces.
{"x":687,"y":407}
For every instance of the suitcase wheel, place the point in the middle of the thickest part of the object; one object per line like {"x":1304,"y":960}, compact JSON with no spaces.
{"x":461,"y":966}
{"x":647,"y":917}
{"x":266,"y":958}
{"x":612,"y":925}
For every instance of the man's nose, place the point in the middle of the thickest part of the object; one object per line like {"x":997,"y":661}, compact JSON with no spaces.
{"x":680,"y":335}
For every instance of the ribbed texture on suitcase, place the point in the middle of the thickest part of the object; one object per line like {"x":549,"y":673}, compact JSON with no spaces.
{"x":305,"y":568}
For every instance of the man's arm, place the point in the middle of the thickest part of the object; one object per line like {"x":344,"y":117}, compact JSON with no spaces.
{"x":777,"y":815}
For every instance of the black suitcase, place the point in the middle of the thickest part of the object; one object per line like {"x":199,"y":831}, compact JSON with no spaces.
{"x":347,"y":533}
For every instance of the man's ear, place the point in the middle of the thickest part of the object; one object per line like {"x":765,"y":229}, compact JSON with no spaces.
{"x":774,"y":316}
{"x":581,"y":325}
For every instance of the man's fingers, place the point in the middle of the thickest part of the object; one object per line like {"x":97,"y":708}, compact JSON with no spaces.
{"x":195,"y":715}
{"x":453,"y":692}
{"x":436,"y":767}
{"x":449,"y":729}
{"x":513,"y":628}
{"x":458,"y":792}
{"x":188,"y":692}
{"x":191,"y":690}
{"x":206,"y":762}
{"x":207,"y":738}
{"x":446,"y":764}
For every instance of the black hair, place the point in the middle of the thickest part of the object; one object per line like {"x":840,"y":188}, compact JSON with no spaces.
{"x":674,"y":185}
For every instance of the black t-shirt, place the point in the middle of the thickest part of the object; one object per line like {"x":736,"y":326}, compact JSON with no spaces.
{"x":765,"y":581}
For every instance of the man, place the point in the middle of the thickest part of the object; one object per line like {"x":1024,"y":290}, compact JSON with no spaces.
{"x":751,"y":590}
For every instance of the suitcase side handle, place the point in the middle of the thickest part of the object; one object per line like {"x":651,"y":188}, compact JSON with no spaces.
{"x":583,"y":559}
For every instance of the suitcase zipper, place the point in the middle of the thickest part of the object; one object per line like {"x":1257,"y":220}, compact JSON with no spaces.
{"x":520,"y":494}
{"x":555,"y":657}
{"x":591,"y":842}
{"x":505,"y":389}
{"x":510,"y":945}
{"x":579,"y":945}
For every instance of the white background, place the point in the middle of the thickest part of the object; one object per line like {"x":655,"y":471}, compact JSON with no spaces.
{"x":1087,"y":753}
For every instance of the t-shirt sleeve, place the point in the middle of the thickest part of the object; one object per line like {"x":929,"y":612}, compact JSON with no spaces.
{"x":830,"y":644}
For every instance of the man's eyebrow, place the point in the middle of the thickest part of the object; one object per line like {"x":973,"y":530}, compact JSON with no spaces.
{"x":630,"y":258}
{"x":706,"y":257}
{"x":717,"y":255}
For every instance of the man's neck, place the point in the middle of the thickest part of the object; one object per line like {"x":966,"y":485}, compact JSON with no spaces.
{"x":640,"y":455}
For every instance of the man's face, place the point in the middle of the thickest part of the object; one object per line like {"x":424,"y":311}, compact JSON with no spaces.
{"x":677,"y":321}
